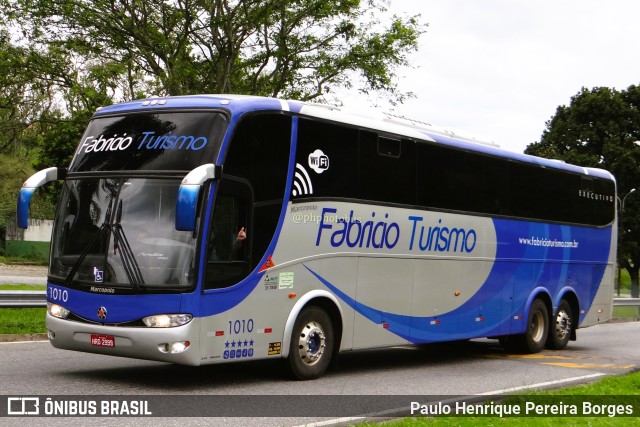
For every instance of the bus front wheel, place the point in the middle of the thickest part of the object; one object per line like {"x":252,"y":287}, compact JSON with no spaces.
{"x":535,"y":336}
{"x":312,"y":343}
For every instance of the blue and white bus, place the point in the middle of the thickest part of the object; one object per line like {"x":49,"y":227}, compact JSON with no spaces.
{"x":217,"y":228}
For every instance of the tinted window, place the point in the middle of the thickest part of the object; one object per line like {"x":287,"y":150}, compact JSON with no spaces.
{"x":459,"y":180}
{"x":228,"y":255}
{"x":259,"y":153}
{"x":150,"y":141}
{"x":387,"y":169}
{"x":326,"y":160}
{"x":250,"y":196}
{"x":336,"y":161}
{"x":465,"y":181}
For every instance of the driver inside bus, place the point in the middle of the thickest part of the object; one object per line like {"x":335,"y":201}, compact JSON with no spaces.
{"x":237,"y":251}
{"x":230,"y":248}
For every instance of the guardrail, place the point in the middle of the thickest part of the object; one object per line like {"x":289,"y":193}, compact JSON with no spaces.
{"x":626,"y":302}
{"x":23,"y":299}
{"x":28,"y":299}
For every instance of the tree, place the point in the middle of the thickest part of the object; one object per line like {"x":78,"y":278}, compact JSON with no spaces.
{"x":62,"y":59}
{"x":44,"y":106}
{"x":601,"y":128}
{"x":14,"y":170}
{"x":299,"y":49}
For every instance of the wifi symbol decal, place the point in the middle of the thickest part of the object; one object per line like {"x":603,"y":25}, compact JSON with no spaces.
{"x":301,"y":182}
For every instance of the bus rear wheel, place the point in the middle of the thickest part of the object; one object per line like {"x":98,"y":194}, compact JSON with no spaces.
{"x":535,"y":336}
{"x":561,"y":327}
{"x":312,"y":344}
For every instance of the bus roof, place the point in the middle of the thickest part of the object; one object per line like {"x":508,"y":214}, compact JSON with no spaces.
{"x":383,"y":122}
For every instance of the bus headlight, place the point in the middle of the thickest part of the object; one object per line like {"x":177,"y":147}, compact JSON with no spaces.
{"x":57,"y":310}
{"x":167,"y":320}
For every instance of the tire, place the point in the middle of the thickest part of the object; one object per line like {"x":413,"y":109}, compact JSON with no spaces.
{"x":312,"y":344}
{"x":535,"y":336}
{"x":561,"y":327}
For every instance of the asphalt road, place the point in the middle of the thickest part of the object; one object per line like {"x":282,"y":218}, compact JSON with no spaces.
{"x":23,"y":274}
{"x":462,"y":369}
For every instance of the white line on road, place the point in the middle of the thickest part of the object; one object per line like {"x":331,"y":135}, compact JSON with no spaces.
{"x":344,"y":420}
{"x":542,"y":385}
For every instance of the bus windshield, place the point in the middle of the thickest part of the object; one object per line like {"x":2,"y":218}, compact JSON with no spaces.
{"x":115,"y":223}
{"x":150,"y":141}
{"x":120,"y":232}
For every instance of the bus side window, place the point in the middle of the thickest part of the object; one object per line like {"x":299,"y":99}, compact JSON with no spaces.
{"x":227,"y":250}
{"x":259,"y":156}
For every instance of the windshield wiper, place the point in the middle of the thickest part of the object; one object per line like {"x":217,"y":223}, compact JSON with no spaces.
{"x":129,"y":263}
{"x":120,"y":242}
{"x":104,"y":226}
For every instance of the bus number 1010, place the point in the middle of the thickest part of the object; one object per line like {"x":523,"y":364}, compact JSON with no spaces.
{"x":244,"y":326}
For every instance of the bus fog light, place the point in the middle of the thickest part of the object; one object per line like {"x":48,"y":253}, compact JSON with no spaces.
{"x":174,"y":347}
{"x":57,"y":310}
{"x":167,"y":320}
{"x":179,"y":347}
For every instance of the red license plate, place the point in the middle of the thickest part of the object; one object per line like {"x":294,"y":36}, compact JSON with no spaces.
{"x":103,"y":340}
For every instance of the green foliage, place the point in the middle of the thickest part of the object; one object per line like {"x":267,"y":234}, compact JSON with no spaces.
{"x":9,"y":287}
{"x":14,"y":170}
{"x":601,"y":128}
{"x":62,"y":59}
{"x":608,"y":388}
{"x":294,"y":49}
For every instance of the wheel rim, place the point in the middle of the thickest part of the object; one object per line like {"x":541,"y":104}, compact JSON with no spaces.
{"x":311,"y":343}
{"x":537,"y":326}
{"x":563,"y":324}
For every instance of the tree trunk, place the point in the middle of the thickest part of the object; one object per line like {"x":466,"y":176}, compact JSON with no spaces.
{"x":633,"y":274}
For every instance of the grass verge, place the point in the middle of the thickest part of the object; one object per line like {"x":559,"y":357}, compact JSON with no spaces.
{"x":8,"y":287}
{"x":624,"y":312}
{"x":22,"y":320}
{"x":609,"y":391}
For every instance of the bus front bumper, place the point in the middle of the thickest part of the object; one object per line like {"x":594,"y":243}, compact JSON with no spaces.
{"x":174,"y":345}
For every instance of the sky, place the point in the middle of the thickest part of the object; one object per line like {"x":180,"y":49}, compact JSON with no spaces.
{"x":498,"y":69}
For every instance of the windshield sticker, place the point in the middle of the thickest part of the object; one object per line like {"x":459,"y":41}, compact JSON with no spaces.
{"x":98,"y":275}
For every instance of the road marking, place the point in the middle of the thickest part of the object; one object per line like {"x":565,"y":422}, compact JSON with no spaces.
{"x":343,"y":420}
{"x":588,"y":365}
{"x":577,"y":365}
{"x":544,"y":384}
{"x":533,"y":356}
{"x":334,"y":421}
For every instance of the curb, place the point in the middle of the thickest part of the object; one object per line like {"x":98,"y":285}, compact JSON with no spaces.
{"x":23,"y":337}
{"x":623,"y":319}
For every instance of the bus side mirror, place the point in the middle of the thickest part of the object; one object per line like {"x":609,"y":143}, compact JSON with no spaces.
{"x":188,"y":193}
{"x":36,"y":180}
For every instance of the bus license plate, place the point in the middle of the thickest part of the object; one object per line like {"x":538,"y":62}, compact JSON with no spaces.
{"x":103,"y":340}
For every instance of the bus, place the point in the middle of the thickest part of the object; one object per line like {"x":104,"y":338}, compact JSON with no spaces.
{"x":220,"y":228}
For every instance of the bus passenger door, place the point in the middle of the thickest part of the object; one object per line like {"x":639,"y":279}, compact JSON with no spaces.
{"x":227,"y":254}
